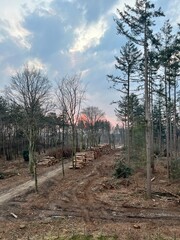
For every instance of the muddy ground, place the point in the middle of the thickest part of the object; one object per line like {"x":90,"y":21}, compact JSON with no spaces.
{"x":90,"y":201}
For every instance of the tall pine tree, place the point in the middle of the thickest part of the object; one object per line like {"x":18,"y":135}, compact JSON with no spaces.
{"x":127,"y":64}
{"x":136,"y":24}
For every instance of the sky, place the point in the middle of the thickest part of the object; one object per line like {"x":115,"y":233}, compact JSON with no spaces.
{"x":66,"y":37}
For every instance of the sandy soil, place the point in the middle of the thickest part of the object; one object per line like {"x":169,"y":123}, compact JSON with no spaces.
{"x":89,"y":201}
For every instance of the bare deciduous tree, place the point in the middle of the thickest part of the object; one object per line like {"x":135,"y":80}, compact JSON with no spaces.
{"x":91,"y":115}
{"x":29,"y":90}
{"x":70,"y":94}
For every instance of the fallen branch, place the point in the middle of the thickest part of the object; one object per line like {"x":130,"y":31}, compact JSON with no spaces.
{"x":14,"y":215}
{"x":152,"y":179}
{"x":173,"y":194}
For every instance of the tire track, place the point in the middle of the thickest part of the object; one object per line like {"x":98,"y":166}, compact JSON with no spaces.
{"x":84,"y":199}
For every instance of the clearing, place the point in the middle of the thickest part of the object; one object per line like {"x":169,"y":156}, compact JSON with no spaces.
{"x":87,"y":201}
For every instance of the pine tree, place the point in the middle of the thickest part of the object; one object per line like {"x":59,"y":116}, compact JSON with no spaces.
{"x":127,"y":64}
{"x":168,"y":52}
{"x":136,"y":24}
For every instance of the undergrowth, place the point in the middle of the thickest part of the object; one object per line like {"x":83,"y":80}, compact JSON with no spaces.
{"x":175,"y":169}
{"x":122,"y":170}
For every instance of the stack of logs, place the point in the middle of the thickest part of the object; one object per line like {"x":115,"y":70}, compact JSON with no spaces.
{"x":47,"y":161}
{"x":101,"y":150}
{"x":82,"y":158}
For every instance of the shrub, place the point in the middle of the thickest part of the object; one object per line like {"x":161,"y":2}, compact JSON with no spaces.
{"x":2,"y":175}
{"x":56,"y":153}
{"x":26,"y":155}
{"x":67,"y":153}
{"x":175,"y":169}
{"x":122,"y":170}
{"x":59,"y":153}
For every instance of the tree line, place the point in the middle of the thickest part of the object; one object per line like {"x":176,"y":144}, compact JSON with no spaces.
{"x":34,"y":116}
{"x":148,"y":73}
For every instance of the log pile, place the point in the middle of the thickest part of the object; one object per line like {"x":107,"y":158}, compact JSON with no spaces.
{"x":82,"y":158}
{"x":105,"y":149}
{"x":90,"y":156}
{"x":101,"y":150}
{"x":47,"y":161}
{"x":97,"y":152}
{"x":79,"y":160}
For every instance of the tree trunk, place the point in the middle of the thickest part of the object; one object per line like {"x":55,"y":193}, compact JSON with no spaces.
{"x":174,"y":124}
{"x":32,"y":158}
{"x":128,"y":126}
{"x":167,"y":152}
{"x":160,"y":129}
{"x":147,"y":119}
{"x":62,"y":161}
{"x":73,"y":146}
{"x":170,"y":129}
{"x":152,"y":132}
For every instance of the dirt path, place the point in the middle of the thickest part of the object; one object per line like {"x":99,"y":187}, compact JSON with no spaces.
{"x":25,"y":187}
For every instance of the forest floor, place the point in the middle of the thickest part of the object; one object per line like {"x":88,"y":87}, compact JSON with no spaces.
{"x":88,"y":201}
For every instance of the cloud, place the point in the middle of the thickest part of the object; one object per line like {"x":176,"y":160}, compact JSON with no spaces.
{"x":13,"y":29}
{"x":96,"y":9}
{"x":65,"y":37}
{"x":88,"y":36}
{"x":37,"y":63}
{"x":49,"y":35}
{"x":11,"y":23}
{"x":173,"y":14}
{"x":12,"y":56}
